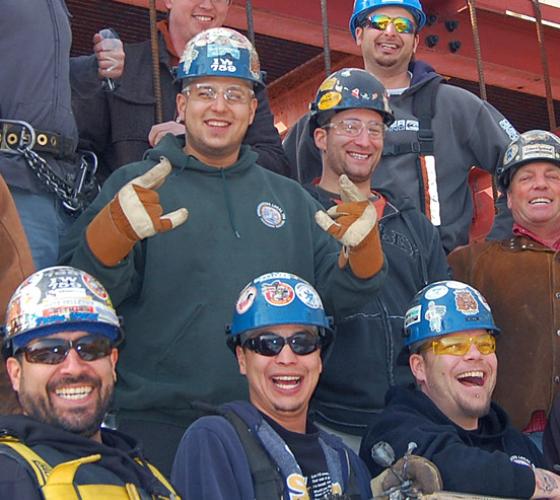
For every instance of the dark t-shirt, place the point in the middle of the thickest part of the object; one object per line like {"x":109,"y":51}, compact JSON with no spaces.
{"x":309,"y":456}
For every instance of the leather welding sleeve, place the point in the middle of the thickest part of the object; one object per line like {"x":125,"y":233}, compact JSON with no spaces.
{"x":132,"y":215}
{"x":354,"y":224}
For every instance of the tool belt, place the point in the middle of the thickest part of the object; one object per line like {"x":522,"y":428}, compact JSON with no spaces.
{"x":13,"y":134}
{"x":76,"y":191}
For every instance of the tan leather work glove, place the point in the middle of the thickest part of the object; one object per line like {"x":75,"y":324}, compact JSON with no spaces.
{"x":353,"y":223}
{"x":133,"y":214}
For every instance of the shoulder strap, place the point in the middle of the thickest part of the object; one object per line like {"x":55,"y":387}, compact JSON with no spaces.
{"x":423,"y":107}
{"x":26,"y":457}
{"x":267,"y":482}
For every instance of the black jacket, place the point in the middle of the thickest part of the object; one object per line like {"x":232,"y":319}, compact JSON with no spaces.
{"x":117,"y":465}
{"x":362,"y":362}
{"x":493,"y":460}
{"x":116,"y":124}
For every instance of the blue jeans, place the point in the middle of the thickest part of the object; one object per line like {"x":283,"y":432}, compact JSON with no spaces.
{"x":44,"y":222}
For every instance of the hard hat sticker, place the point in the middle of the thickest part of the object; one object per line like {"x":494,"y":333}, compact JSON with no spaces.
{"x":223,"y":65}
{"x":329,"y":100}
{"x":307,"y":294}
{"x":437,"y":292}
{"x":465,"y":302}
{"x":328,"y":84}
{"x":510,"y":153}
{"x":413,"y":316}
{"x":95,"y":287}
{"x":538,"y":150}
{"x":278,"y":293}
{"x":221,"y":51}
{"x":246,"y":299}
{"x":434,"y":315}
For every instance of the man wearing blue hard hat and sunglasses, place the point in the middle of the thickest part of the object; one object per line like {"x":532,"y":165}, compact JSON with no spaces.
{"x":60,"y":346}
{"x":268,"y":448}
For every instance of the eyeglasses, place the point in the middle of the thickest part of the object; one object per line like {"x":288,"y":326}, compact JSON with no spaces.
{"x":234,"y":94}
{"x":459,"y":345}
{"x":54,"y":351}
{"x":270,"y":344}
{"x":381,"y":22}
{"x":353,"y":127}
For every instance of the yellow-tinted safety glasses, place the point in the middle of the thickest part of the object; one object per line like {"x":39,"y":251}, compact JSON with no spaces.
{"x":459,"y":345}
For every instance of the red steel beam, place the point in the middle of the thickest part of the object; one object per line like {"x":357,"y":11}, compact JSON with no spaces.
{"x":509,"y":45}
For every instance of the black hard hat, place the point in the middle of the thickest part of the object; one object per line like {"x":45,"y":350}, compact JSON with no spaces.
{"x":533,"y":145}
{"x":349,"y":88}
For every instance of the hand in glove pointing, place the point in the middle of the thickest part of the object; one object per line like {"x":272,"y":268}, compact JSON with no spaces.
{"x":353,"y":223}
{"x":133,"y":214}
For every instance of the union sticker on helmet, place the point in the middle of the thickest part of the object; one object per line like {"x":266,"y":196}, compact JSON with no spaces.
{"x":328,"y":84}
{"x":434,"y":315}
{"x":246,"y":299}
{"x":308,"y":296}
{"x":465,"y":302}
{"x":329,"y":100}
{"x":278,"y":293}
{"x":437,"y":292}
{"x":413,"y":316}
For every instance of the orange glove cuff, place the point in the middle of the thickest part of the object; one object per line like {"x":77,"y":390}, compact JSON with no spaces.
{"x":366,"y":259}
{"x":107,"y":235}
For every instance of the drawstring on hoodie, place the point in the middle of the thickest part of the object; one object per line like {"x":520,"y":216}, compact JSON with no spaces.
{"x":229,"y":206}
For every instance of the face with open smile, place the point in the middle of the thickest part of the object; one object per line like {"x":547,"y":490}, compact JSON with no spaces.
{"x":357,"y":156}
{"x":190,"y":17}
{"x":388,"y":49}
{"x":460,"y":386}
{"x":281,"y":386}
{"x":534,"y":198}
{"x":215,"y":129}
{"x":73,"y":395}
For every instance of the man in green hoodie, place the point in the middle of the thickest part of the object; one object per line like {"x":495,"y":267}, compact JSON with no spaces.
{"x":174,"y":283}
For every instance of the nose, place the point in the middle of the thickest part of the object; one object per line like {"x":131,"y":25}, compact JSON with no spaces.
{"x":473,"y":352}
{"x":540,"y":181}
{"x":286,"y":356}
{"x":72,"y":363}
{"x":206,"y":4}
{"x":220,"y":103}
{"x":391,"y":30}
{"x":363,"y":139}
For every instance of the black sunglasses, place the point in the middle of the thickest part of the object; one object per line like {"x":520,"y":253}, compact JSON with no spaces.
{"x":270,"y":344}
{"x":54,"y":351}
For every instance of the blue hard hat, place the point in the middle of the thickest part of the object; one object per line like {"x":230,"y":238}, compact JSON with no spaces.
{"x":364,"y":7}
{"x":349,"y":88}
{"x":57,"y":299}
{"x":446,"y":307}
{"x":277,"y":299}
{"x":220,"y":52}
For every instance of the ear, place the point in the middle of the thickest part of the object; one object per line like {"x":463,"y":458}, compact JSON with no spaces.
{"x":168,"y":4}
{"x":320,"y":137}
{"x":418,"y":367}
{"x":253,"y":105}
{"x":114,"y":356}
{"x":181,"y":102}
{"x":508,"y":200}
{"x":359,"y":36}
{"x":241,"y":360}
{"x":416,"y":41}
{"x":13,"y":368}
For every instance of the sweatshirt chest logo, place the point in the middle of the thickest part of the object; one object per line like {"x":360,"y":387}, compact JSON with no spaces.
{"x":271,"y":215}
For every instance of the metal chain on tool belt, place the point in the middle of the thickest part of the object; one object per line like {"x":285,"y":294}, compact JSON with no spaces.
{"x":74,"y":195}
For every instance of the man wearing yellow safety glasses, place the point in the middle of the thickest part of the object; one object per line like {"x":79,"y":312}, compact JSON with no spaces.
{"x":450,"y":346}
